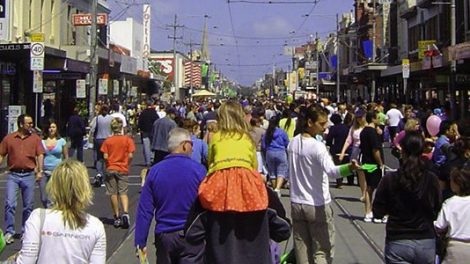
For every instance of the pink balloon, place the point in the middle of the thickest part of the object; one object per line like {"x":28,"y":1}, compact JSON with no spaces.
{"x":432,"y":124}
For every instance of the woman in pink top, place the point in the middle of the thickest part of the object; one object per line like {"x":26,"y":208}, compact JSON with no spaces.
{"x":354,"y":140}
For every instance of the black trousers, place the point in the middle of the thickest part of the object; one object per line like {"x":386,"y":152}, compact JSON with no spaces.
{"x":172,"y":248}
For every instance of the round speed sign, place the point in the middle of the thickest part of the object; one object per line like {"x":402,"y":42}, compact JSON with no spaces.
{"x":37,"y":49}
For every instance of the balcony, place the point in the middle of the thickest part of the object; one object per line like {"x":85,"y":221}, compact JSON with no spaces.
{"x":424,"y":3}
{"x":409,"y":13}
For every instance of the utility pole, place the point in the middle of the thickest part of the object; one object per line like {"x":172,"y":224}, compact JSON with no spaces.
{"x":317,"y":55}
{"x":93,"y":60}
{"x":338,"y":78}
{"x":175,"y":26}
{"x":372,"y":95}
{"x":453,"y":63}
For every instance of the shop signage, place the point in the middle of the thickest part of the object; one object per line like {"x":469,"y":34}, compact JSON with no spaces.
{"x":146,"y":42}
{"x":85,"y":19}
{"x":13,"y":47}
{"x":4,"y":26}
{"x":462,"y":78}
{"x":7,"y":68}
{"x":81,"y":88}
{"x":103,"y":86}
{"x":423,"y":47}
{"x":116,"y":87}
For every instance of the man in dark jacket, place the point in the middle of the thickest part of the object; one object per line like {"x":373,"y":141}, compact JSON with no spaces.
{"x":238,"y":238}
{"x":164,"y":180}
{"x":145,"y":123}
{"x":161,"y":128}
{"x":76,"y":131}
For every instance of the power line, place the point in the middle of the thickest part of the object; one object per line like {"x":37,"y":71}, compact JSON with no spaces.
{"x":271,"y":2}
{"x":233,"y":31}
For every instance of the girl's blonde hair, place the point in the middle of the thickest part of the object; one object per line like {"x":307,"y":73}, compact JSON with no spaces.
{"x":411,"y":124}
{"x":116,"y":125}
{"x":70,"y":191}
{"x":212,"y":126}
{"x":232,"y":119}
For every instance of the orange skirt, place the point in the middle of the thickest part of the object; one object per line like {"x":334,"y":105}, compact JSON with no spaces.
{"x":233,"y":190}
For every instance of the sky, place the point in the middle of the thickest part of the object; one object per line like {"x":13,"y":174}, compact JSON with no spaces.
{"x":246,"y":40}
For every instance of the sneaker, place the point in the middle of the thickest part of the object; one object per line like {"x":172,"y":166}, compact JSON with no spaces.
{"x":98,"y":180}
{"x":368,"y":218}
{"x":125,"y":221}
{"x":9,"y":238}
{"x":377,"y":220}
{"x":385,"y":219}
{"x":117,"y":222}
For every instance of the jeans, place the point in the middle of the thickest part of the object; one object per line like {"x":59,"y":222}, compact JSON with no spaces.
{"x":46,"y":202}
{"x":421,"y":251}
{"x":147,"y":151}
{"x":276,"y":161}
{"x":99,"y":156}
{"x":24,"y":182}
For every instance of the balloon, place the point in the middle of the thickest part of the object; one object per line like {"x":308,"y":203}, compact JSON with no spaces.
{"x":432,"y":124}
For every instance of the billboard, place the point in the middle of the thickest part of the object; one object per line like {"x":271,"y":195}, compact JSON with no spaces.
{"x":85,"y":19}
{"x":163,"y":66}
{"x":4,"y":20}
{"x":146,"y":22}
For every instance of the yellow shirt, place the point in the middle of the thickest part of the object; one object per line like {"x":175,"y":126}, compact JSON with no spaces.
{"x":290,"y":129}
{"x":231,"y":151}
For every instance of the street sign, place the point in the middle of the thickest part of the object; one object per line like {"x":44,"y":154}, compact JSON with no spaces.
{"x":81,"y":88}
{"x":85,"y":19}
{"x":37,"y":51}
{"x":423,"y":47}
{"x":37,"y":82}
{"x":405,"y":65}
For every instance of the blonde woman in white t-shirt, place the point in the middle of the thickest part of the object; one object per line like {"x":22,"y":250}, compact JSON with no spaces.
{"x":65,"y":233}
{"x":452,"y":221}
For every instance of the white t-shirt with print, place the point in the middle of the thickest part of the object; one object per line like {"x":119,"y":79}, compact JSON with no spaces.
{"x":455,"y":215}
{"x":60,"y":244}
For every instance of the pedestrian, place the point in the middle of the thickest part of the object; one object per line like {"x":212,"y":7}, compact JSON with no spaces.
{"x":101,"y":130}
{"x":200,"y":148}
{"x":118,"y":151}
{"x":257,"y":133}
{"x":448,"y":133}
{"x":158,"y":200}
{"x":393,"y":119}
{"x":55,"y":152}
{"x":274,"y":144}
{"x":160,"y":130}
{"x":452,"y":222}
{"x":76,"y":131}
{"x":354,"y":139}
{"x":234,"y":197}
{"x":411,"y":198}
{"x":372,"y":154}
{"x":335,"y":139}
{"x":65,"y":233}
{"x":25,"y":159}
{"x":145,"y":123}
{"x":288,"y":121}
{"x":116,"y":113}
{"x":310,"y":166}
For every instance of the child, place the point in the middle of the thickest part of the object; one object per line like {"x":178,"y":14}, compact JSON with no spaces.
{"x":237,"y":223}
{"x":452,"y":221}
{"x":118,"y":152}
{"x":212,"y":128}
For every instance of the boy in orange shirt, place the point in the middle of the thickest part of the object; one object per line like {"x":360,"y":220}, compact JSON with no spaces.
{"x":118,"y":152}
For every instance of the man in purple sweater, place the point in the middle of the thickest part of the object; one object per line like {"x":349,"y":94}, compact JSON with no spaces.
{"x":169,"y":191}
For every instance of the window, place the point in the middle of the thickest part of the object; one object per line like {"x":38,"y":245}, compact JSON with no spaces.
{"x":431,"y":28}
{"x":413,"y":38}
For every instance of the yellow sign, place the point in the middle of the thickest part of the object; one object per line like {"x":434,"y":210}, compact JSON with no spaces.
{"x":37,"y":37}
{"x":423,"y":46}
{"x":405,"y":62}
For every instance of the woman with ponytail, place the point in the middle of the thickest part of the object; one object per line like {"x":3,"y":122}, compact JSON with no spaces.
{"x":411,"y":198}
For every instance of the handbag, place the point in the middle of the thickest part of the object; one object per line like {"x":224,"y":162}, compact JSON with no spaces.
{"x":12,"y":258}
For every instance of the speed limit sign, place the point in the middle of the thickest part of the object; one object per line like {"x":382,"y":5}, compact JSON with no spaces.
{"x":37,"y":49}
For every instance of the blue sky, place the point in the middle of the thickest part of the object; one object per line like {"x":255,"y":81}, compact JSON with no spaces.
{"x":245,"y":39}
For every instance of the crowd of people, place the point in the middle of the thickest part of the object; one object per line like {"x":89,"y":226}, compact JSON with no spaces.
{"x":237,"y":155}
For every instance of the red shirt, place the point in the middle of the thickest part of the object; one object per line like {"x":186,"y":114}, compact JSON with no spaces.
{"x":118,"y":148}
{"x":22,"y":152}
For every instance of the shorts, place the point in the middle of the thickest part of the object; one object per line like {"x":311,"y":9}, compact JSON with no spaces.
{"x":276,"y":161}
{"x":373,"y":179}
{"x":116,"y":183}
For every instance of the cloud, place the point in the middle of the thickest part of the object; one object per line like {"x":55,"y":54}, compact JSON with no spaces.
{"x":272,"y":26}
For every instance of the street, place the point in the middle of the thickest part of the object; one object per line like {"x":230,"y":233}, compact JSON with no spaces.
{"x":356,"y":241}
